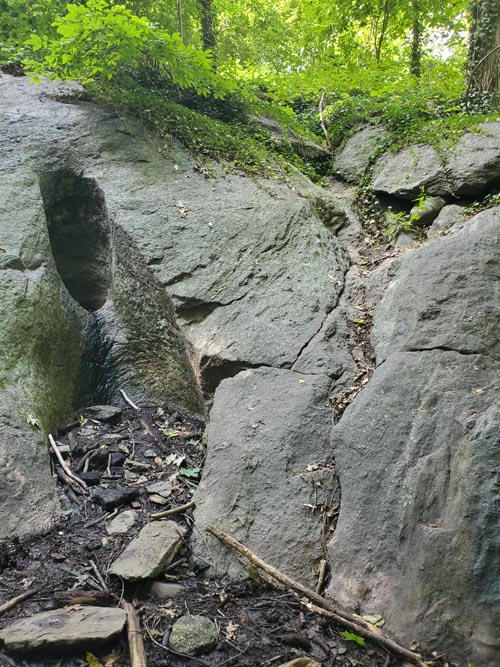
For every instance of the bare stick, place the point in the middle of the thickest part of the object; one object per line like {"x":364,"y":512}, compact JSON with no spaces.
{"x":383,"y":640}
{"x":104,"y":517}
{"x":322,"y":575}
{"x":99,"y":576}
{"x":19,"y":598}
{"x":172,"y":512}
{"x":134,"y":634}
{"x":127,"y":400}
{"x":64,"y":466}
{"x":342,"y":617}
{"x":322,"y":122}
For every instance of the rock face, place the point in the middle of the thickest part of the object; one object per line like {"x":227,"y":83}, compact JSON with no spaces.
{"x":268,"y":471}
{"x":97,"y":227}
{"x":405,"y":174}
{"x":152,"y":550}
{"x":63,"y":630}
{"x":426,"y":441}
{"x":353,"y":160}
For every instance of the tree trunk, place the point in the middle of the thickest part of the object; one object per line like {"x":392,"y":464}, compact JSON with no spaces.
{"x":179,"y":19}
{"x":416,"y":51}
{"x":207,"y":26}
{"x":483,"y":66}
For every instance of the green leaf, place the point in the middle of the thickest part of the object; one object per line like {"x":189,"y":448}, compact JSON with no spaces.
{"x":352,"y":637}
{"x":190,"y":472}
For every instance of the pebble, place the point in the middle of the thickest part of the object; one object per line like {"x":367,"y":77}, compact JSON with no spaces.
{"x":193,"y":635}
{"x":162,"y":488}
{"x":122,"y":523}
{"x":161,"y":589}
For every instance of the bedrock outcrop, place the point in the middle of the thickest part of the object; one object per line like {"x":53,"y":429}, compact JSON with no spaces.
{"x":417,"y":453}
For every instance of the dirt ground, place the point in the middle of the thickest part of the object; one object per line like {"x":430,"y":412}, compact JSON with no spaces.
{"x":258,"y":625}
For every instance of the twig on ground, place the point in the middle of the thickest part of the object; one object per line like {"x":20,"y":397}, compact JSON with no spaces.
{"x":322,"y":574}
{"x":18,"y":599}
{"x":134,"y":634}
{"x":99,"y":576}
{"x":171,"y":512}
{"x":129,"y":401}
{"x":64,"y":466}
{"x":342,"y":617}
{"x":104,"y":517}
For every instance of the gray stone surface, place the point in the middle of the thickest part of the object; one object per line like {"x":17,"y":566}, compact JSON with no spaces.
{"x":451,"y":216}
{"x":353,"y":160}
{"x":300,"y":145}
{"x":418,"y":453}
{"x":102,"y":412}
{"x":193,"y":635}
{"x":474,"y":163}
{"x":425,"y":211}
{"x":268,"y":464}
{"x":161,"y":589}
{"x":406,"y":173}
{"x":68,"y":630}
{"x":122,"y":523}
{"x":442,"y":295}
{"x":152,"y":550}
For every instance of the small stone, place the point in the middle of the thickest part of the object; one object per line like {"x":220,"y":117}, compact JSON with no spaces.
{"x":301,"y":662}
{"x":69,"y":629}
{"x":151,"y":551}
{"x":102,"y":412}
{"x":193,"y":635}
{"x":163,"y":590}
{"x":111,"y":498}
{"x":122,"y":523}
{"x":150,"y":454}
{"x":117,"y":459}
{"x":136,"y":466}
{"x":163,"y":488}
{"x":131,"y":476}
{"x":158,"y":500}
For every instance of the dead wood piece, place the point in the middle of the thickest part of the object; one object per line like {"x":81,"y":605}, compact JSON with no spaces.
{"x":322,"y":574}
{"x":129,"y":401}
{"x":64,"y":466}
{"x":172,"y":512}
{"x":18,"y":599}
{"x":342,"y":617}
{"x":104,"y":517}
{"x":134,"y":634}
{"x":99,"y":576}
{"x":70,"y":598}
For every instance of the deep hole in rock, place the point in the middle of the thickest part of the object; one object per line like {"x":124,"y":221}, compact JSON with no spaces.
{"x":80,"y":235}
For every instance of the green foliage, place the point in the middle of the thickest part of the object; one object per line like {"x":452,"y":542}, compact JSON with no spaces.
{"x":352,"y":637}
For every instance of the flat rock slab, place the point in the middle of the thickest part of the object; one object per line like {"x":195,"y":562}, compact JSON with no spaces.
{"x":102,"y":412}
{"x":122,"y":523}
{"x":193,"y":635}
{"x":52,"y":631}
{"x":152,"y":550}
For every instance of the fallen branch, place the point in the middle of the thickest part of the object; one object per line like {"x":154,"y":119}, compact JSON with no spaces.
{"x":71,"y":598}
{"x":19,"y":598}
{"x":172,"y":512}
{"x":134,"y":635}
{"x":104,"y":517}
{"x":64,"y":465}
{"x":342,"y":617}
{"x":129,"y":401}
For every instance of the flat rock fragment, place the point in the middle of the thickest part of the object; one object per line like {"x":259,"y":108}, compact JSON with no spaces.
{"x":102,"y":412}
{"x":122,"y":523}
{"x":152,"y":550}
{"x":68,"y":629}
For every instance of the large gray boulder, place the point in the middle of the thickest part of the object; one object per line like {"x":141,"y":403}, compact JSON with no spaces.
{"x":473,"y":164}
{"x":268,"y":479}
{"x":353,"y":160}
{"x":418,"y":454}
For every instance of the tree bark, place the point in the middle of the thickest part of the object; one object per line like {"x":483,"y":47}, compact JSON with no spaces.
{"x":483,"y":67}
{"x":207,"y":26}
{"x":416,"y":51}
{"x":179,"y":19}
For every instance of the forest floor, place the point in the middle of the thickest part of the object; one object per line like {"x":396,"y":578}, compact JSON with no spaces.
{"x":258,"y":625}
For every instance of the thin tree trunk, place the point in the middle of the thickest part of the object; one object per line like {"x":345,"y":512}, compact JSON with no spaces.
{"x":383,"y":29}
{"x":179,"y":19}
{"x":483,"y":76}
{"x":416,"y":51}
{"x":207,"y":26}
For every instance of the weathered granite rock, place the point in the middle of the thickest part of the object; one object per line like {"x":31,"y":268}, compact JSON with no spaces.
{"x":423,"y":439}
{"x":193,"y":635}
{"x":354,"y":158}
{"x":152,"y":550}
{"x":300,"y":145}
{"x":122,"y":523}
{"x":428,"y":209}
{"x":266,"y":468}
{"x":441,"y":295}
{"x":473,"y":164}
{"x":63,"y":630}
{"x":450,"y":216}
{"x":407,"y":173}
